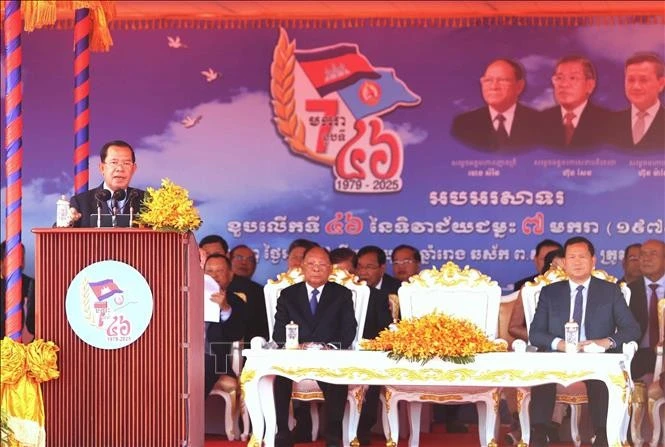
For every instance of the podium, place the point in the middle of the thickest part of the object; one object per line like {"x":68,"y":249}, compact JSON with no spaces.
{"x":149,"y":393}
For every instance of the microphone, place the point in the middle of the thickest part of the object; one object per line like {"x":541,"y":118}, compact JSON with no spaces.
{"x":117,"y":196}
{"x":133,"y":195}
{"x":103,"y":195}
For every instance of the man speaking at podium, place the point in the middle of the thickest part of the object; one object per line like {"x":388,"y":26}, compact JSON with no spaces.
{"x":114,"y":196}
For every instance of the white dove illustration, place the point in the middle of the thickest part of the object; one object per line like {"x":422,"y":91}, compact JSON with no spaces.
{"x":190,"y":122}
{"x":174,"y":42}
{"x":210,"y":74}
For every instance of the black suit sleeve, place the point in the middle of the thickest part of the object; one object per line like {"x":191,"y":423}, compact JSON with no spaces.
{"x":378,"y":314}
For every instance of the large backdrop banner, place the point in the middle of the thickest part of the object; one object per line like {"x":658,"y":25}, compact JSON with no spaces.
{"x":376,"y":135}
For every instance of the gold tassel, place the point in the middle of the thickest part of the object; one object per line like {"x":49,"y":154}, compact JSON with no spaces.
{"x":37,"y":14}
{"x":100,"y":37}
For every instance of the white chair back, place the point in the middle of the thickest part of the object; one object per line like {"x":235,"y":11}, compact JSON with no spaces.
{"x":359,"y":290}
{"x":461,"y":293}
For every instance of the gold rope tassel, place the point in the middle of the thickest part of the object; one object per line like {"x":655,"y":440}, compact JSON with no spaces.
{"x":37,"y":14}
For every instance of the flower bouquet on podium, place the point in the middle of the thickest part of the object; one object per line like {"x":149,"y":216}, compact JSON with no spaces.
{"x":169,"y":208}
{"x":432,"y":336}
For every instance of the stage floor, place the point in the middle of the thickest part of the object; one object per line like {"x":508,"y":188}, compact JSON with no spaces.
{"x":437,"y":438}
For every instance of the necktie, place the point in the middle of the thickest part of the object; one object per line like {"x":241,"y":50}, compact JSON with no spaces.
{"x":638,"y":128}
{"x":653,"y":316}
{"x":577,"y":310}
{"x":313,"y":302}
{"x":568,"y":127}
{"x":501,"y":132}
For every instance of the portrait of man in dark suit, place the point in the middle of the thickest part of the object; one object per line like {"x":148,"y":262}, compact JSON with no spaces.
{"x":642,"y":126}
{"x":604,"y":319}
{"x":575,"y":123}
{"x":118,"y":165}
{"x":503,"y":125}
{"x":323,"y":311}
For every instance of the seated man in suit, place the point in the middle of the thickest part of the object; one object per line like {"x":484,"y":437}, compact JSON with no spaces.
{"x":504,"y":124}
{"x":631,"y":263}
{"x":644,"y":295}
{"x":371,"y":268}
{"x":377,"y":319}
{"x":296,"y":252}
{"x":604,"y":319}
{"x":118,"y":165}
{"x":257,"y":323}
{"x":543,"y":248}
{"x":249,"y":291}
{"x":575,"y":123}
{"x":230,"y":328}
{"x":406,"y":262}
{"x":642,"y":126}
{"x":323,"y":311}
{"x":212,"y":243}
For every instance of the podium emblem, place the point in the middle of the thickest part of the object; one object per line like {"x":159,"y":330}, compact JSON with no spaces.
{"x":109,"y":304}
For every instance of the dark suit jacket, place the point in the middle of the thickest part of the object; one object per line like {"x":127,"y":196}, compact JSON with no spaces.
{"x":607,"y":315}
{"x":475,"y":128}
{"x":591,"y":131}
{"x":653,"y":139}
{"x":645,"y":358}
{"x":86,"y":204}
{"x":221,"y":335}
{"x":257,"y":318}
{"x":378,"y":313}
{"x":390,"y":284}
{"x":334,"y":322}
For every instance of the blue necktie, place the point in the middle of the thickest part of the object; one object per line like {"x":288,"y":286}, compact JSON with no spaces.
{"x":577,"y":310}
{"x":313,"y":302}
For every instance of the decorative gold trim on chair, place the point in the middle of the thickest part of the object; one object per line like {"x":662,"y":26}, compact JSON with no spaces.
{"x":450,"y":275}
{"x":440,"y":397}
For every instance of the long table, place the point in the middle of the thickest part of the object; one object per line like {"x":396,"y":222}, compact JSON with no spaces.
{"x":506,"y":369}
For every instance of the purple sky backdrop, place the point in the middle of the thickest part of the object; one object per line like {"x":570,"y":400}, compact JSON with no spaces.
{"x":237,"y":168}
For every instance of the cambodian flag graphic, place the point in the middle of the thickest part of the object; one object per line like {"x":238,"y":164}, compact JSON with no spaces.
{"x":104,"y":289}
{"x":335,"y":67}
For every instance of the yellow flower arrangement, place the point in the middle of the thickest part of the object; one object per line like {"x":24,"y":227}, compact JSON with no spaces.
{"x":434,"y":336}
{"x":169,"y":208}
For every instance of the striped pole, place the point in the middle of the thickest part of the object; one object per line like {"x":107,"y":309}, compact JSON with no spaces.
{"x":82,"y":29}
{"x":13,"y":163}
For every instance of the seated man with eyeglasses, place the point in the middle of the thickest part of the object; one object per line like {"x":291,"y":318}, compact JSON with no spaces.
{"x":323,"y":311}
{"x":406,"y":262}
{"x":118,"y":165}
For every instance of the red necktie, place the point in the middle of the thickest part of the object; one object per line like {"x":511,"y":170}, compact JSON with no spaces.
{"x":568,"y":127}
{"x":653,"y":316}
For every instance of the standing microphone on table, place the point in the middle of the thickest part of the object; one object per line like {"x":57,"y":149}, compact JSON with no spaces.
{"x":118,"y":196}
{"x":133,"y":195}
{"x":101,"y":196}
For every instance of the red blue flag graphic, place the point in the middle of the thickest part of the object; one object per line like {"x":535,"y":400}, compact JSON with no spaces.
{"x":332,"y":68}
{"x":104,"y":289}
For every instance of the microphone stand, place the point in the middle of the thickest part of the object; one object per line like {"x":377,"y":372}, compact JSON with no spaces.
{"x":99,"y":214}
{"x":113,"y":213}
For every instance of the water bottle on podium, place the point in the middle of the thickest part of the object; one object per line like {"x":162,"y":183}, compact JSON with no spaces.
{"x":62,"y":212}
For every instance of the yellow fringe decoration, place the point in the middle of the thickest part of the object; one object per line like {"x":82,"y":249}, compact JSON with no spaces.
{"x":38,"y":13}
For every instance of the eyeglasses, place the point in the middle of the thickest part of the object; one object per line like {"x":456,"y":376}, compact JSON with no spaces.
{"x":115,"y":164}
{"x":316,"y":265}
{"x":490,"y":80}
{"x":368,"y":267}
{"x":572,"y":79}
{"x":404,"y":262}
{"x":242,"y":258}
